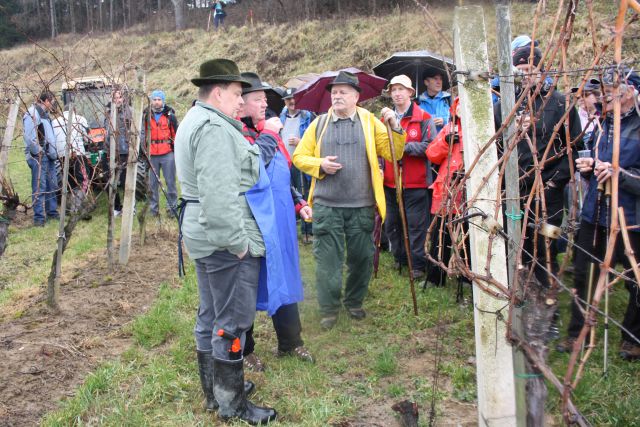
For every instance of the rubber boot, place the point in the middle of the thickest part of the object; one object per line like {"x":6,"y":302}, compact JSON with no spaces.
{"x":205,"y":367}
{"x":228,"y":386}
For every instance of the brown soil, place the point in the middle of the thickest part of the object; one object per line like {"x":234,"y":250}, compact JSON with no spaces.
{"x":46,"y":356}
{"x":411,"y":365}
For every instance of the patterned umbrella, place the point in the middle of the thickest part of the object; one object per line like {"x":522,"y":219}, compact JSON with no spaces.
{"x":313,"y":95}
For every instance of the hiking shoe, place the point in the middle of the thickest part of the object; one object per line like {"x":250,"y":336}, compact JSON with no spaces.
{"x":117,"y":212}
{"x":566,"y":345}
{"x":356,"y":313}
{"x":328,"y":322}
{"x":629,"y":351}
{"x":38,"y":223}
{"x":300,"y":352}
{"x":253,"y":363}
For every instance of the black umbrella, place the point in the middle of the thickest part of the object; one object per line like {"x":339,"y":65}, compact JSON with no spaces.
{"x":274,"y":99}
{"x":413,"y":64}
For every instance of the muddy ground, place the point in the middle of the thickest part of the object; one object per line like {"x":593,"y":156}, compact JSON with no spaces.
{"x":46,"y":356}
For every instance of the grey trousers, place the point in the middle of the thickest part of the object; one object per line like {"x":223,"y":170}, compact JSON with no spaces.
{"x":167,"y":164}
{"x":228,"y":291}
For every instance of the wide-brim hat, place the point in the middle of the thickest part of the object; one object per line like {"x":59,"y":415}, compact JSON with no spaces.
{"x":255,"y":83}
{"x":289,"y":92}
{"x":402,"y":80}
{"x":627,"y":76}
{"x":589,"y":86}
{"x":345,"y":78}
{"x":219,"y":71}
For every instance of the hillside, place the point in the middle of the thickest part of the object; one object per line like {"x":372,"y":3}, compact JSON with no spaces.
{"x":277,"y":52}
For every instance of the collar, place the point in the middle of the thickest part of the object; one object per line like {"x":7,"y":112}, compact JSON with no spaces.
{"x":335,"y":118}
{"x":408,"y":113}
{"x":233,"y":122}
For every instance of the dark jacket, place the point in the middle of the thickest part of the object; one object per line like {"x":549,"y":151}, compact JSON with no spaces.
{"x":554,"y":170}
{"x":269,"y":144}
{"x":628,"y":185}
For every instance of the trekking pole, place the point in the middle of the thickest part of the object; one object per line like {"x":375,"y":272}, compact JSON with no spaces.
{"x":398,"y":181}
{"x":592,"y":267}
{"x":607,"y":201}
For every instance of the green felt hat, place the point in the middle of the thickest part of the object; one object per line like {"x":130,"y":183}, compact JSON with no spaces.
{"x":219,"y":71}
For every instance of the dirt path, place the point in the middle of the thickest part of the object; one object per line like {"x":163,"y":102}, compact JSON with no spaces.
{"x":45,"y":357}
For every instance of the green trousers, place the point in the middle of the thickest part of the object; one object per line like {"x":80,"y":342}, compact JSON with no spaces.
{"x":332,"y":228}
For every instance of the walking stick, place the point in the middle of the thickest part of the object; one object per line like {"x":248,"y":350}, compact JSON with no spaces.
{"x":377,"y":237}
{"x":592,"y":267}
{"x":209,"y":21}
{"x":607,"y":200}
{"x":397,"y":179}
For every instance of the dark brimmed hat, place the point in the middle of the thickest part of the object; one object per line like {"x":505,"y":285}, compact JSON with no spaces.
{"x":255,"y":84}
{"x":289,"y":92}
{"x":432,"y":72}
{"x":627,"y":76}
{"x":219,"y":71}
{"x":589,"y":86}
{"x":521,"y":55}
{"x":345,"y":78}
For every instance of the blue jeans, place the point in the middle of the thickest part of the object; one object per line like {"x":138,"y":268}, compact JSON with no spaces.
{"x":44,"y":184}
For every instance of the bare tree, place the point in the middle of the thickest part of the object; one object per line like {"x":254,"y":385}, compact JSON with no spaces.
{"x":178,"y":6}
{"x":72,"y":15}
{"x":52,"y":12}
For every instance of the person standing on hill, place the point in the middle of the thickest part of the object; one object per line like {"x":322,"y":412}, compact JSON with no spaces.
{"x":340,"y":151}
{"x":420,"y":130}
{"x":217,"y":169}
{"x":162,"y":124}
{"x":41,"y":155}
{"x":218,"y":14}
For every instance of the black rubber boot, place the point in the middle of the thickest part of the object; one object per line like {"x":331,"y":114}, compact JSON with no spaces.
{"x":205,"y":367}
{"x":228,"y":386}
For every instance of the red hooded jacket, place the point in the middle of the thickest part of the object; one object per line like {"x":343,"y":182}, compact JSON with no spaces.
{"x":438,"y":153}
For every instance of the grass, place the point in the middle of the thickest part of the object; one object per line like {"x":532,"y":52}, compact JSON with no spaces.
{"x":155,"y":382}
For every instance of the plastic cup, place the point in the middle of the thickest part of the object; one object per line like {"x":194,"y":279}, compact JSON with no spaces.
{"x":584,"y":154}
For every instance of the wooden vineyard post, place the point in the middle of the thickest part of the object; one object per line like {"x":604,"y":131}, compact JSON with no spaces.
{"x":494,"y":355}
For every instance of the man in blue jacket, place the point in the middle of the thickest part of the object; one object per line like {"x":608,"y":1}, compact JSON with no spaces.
{"x":595,"y":217}
{"x":41,"y":155}
{"x":435,"y":100}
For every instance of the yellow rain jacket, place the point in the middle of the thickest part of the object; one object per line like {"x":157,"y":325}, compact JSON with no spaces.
{"x":307,"y":155}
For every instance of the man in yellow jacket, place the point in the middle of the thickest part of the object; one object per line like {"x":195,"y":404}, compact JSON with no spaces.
{"x":340,"y":151}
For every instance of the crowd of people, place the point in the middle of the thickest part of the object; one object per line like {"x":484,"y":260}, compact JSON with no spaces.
{"x":245,"y":175}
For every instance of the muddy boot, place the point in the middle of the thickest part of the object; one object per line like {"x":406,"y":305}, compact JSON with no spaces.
{"x":228,"y":386}
{"x":205,"y":367}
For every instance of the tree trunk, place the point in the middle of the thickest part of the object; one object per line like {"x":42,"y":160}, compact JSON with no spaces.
{"x":72,"y":15}
{"x":100,"y":15}
{"x":111,"y":15}
{"x":178,"y":6}
{"x":89,"y":17}
{"x":52,"y":12}
{"x":159,"y":5}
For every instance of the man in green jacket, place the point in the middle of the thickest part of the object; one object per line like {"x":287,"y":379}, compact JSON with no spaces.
{"x":216,"y":166}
